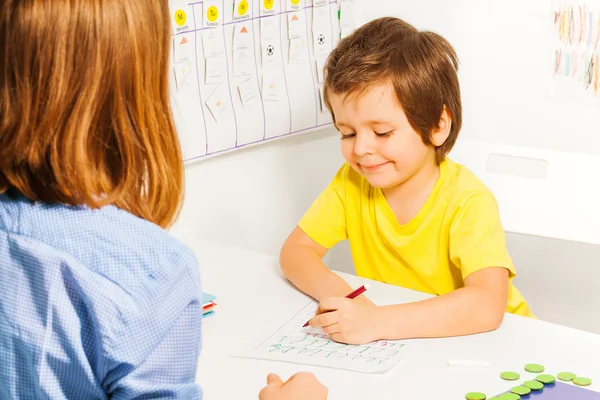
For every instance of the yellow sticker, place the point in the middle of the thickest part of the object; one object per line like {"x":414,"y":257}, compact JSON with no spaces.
{"x":268,"y":4}
{"x":243,"y":7}
{"x":180,"y":17}
{"x":295,"y":2}
{"x":212,"y":14}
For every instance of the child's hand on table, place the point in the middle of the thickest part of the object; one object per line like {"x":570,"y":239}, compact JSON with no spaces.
{"x":346,"y":320}
{"x":301,"y":386}
{"x":364,"y":299}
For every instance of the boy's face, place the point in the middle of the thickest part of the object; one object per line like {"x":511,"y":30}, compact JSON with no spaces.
{"x":377,"y":139}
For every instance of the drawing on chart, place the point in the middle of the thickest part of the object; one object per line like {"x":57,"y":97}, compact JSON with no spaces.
{"x":318,"y":345}
{"x":290,"y":342}
{"x":576,"y":50}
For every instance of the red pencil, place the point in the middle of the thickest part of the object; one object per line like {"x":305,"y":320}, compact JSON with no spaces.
{"x":352,"y":295}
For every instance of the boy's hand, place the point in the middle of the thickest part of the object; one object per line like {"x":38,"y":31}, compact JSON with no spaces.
{"x":361,"y":298}
{"x":364,"y":299}
{"x":301,"y":386}
{"x":345,"y":320}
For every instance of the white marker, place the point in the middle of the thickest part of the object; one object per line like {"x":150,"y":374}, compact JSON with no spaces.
{"x":468,"y":363}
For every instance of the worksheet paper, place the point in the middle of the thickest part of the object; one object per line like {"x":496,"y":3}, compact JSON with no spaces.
{"x":286,"y":340}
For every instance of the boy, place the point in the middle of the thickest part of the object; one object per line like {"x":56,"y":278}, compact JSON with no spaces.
{"x":413,"y":217}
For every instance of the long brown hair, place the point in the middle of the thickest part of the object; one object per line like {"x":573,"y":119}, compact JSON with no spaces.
{"x":422,"y":67}
{"x":85,"y":115}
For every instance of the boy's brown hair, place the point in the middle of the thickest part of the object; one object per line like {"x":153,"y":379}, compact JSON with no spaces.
{"x":421,"y":66}
{"x":84,"y":105}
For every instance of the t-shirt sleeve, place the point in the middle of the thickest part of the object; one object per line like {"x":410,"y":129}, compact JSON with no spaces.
{"x":325,"y":220}
{"x":477,"y":238}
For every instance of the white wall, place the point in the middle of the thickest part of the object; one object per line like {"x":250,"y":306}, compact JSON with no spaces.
{"x":506,"y":53}
{"x":254,"y":197}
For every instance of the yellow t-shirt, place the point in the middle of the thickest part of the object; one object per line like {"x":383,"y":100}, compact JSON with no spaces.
{"x":456,"y":232}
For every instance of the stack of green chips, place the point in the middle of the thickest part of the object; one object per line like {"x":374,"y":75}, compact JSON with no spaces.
{"x":530,"y":385}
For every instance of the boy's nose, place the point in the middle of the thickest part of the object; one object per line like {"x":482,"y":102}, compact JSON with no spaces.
{"x":363,"y":144}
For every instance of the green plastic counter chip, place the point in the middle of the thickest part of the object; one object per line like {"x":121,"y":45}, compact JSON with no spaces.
{"x":546,"y":379}
{"x":475,"y":396}
{"x":580,"y":381}
{"x":509,"y":396}
{"x":533,"y":385}
{"x":510,"y":376}
{"x":566,"y":376}
{"x":521,"y":390}
{"x":535,"y":368}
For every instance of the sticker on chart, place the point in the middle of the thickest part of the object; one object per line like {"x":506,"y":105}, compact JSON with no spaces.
{"x":242,"y":36}
{"x":321,"y":19}
{"x":212,"y":43}
{"x":269,"y":53}
{"x":322,"y":42}
{"x":270,"y":88}
{"x":242,"y":9}
{"x":181,"y":16}
{"x":183,"y":48}
{"x":269,"y":29}
{"x":320,"y":3}
{"x":242,"y":62}
{"x":216,"y":69}
{"x":320,"y":71}
{"x":183,"y":72}
{"x":297,"y":46}
{"x":295,"y":5}
{"x":212,"y":13}
{"x":296,"y":27}
{"x":248,"y":91}
{"x":218,"y":101}
{"x":269,"y":7}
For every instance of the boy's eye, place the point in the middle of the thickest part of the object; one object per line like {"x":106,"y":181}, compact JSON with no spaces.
{"x":348,"y":135}
{"x":383,"y":134}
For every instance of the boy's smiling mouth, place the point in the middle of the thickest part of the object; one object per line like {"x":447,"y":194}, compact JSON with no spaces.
{"x":373,"y":167}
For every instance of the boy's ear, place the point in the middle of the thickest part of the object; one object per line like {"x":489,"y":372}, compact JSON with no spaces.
{"x":439,"y":135}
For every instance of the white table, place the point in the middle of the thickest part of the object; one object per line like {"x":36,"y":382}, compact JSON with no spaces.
{"x":250,"y":286}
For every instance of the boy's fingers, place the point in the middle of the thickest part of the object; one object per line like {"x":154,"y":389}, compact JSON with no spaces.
{"x":274,"y":380}
{"x":325,"y":319}
{"x":331,"y":304}
{"x":329,"y":318}
{"x":332,"y":329}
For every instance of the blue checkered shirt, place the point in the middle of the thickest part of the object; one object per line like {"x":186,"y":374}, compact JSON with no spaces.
{"x":94,"y":304}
